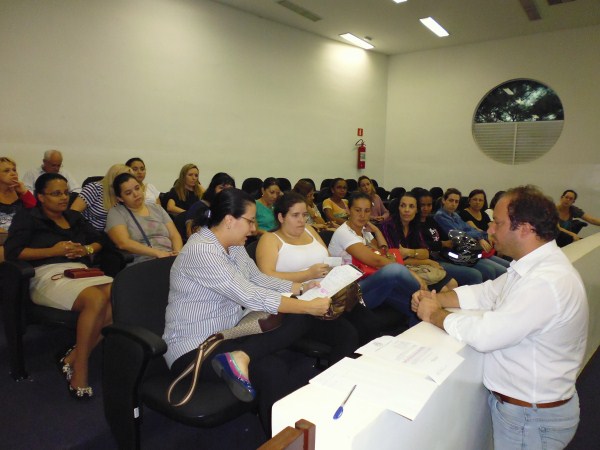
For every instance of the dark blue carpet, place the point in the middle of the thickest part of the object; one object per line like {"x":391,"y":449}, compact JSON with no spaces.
{"x":38,"y":413}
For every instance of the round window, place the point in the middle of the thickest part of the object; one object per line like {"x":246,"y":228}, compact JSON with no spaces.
{"x":518,"y":121}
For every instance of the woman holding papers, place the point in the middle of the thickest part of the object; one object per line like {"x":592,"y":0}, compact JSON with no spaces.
{"x":358,"y":238}
{"x":212,"y":279}
{"x":294,"y":251}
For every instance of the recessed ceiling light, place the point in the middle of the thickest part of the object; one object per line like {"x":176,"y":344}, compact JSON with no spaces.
{"x":430,"y":23}
{"x":357,"y":41}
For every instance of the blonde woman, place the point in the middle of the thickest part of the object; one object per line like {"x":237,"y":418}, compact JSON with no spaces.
{"x":96,"y":198}
{"x":14,"y":196}
{"x":186,"y":191}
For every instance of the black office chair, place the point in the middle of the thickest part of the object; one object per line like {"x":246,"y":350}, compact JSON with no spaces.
{"x":325,"y":184}
{"x":382,"y":193}
{"x":352,"y":185}
{"x":253,"y":187}
{"x":18,"y":311}
{"x":284,"y":184}
{"x":92,"y":179}
{"x":397,"y":192}
{"x":135,"y":373}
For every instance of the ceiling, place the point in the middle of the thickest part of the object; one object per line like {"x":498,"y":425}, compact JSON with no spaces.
{"x":395,"y":28}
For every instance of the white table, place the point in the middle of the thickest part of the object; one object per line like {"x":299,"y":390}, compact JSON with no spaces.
{"x":456,"y":416}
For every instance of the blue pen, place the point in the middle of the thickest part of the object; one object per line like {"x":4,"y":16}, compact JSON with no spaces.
{"x":340,"y":410}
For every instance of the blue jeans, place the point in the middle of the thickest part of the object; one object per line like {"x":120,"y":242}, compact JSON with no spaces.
{"x":462,"y":274}
{"x":517,"y":427}
{"x":489,"y":269}
{"x":392,"y":284}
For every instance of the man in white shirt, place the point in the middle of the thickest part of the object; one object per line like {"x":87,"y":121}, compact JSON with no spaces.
{"x":52,"y":163}
{"x":533,"y":332}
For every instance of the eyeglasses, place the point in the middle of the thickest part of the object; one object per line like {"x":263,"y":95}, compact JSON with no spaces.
{"x":57,"y":193}
{"x":251,"y":222}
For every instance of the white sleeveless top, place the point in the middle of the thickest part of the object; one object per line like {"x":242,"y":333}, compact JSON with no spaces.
{"x":293,"y":258}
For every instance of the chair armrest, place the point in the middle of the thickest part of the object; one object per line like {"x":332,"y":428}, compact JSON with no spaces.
{"x":20,"y":269}
{"x":151,"y":344}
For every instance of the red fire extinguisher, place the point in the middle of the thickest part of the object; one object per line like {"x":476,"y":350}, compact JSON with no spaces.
{"x":362,"y":153}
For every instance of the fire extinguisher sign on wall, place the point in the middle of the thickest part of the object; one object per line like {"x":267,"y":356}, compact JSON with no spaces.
{"x":362,"y":153}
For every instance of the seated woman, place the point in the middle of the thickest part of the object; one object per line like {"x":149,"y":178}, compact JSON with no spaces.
{"x":314,"y":218}
{"x":144,"y":229}
{"x":212,"y":280}
{"x":432,"y":236}
{"x":335,"y":208}
{"x":379,"y":213}
{"x":138,"y":168}
{"x":265,"y":220}
{"x":447,"y":219}
{"x":96,"y":198}
{"x":53,"y":238}
{"x":295,"y":252}
{"x":474,"y":215}
{"x":567,"y":212}
{"x":186,"y":191}
{"x":358,"y":238}
{"x":14,"y":196}
{"x":402,"y":231}
{"x":219,"y":181}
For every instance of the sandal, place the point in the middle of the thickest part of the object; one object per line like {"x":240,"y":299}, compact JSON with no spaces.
{"x":81,"y":393}
{"x":65,"y":368}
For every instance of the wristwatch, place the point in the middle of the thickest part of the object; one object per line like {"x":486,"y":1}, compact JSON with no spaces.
{"x":89,"y":249}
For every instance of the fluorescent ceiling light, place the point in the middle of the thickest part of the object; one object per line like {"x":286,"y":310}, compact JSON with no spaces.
{"x":357,"y":41}
{"x":430,"y":23}
{"x":399,"y":1}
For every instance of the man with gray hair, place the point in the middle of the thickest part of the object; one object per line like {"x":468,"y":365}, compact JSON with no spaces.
{"x":52,"y":163}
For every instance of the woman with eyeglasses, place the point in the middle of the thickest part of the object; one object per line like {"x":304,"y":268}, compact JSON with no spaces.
{"x":14,"y":196}
{"x":212,"y":280}
{"x":144,"y":229}
{"x":53,"y":238}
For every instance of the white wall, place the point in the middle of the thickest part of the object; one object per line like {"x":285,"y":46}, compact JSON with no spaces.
{"x":177,"y":81}
{"x":432,"y":97}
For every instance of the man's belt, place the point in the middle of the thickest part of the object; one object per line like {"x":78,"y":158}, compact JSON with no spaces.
{"x":514,"y":401}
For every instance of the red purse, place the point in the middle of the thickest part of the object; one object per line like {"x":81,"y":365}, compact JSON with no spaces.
{"x":83,"y":273}
{"x":369,"y":270}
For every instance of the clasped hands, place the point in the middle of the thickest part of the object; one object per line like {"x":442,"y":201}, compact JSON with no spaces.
{"x":425,"y":304}
{"x":71,"y":250}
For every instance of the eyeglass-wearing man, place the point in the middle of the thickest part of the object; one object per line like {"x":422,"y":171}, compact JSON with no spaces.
{"x":52,"y":163}
{"x":534,"y":331}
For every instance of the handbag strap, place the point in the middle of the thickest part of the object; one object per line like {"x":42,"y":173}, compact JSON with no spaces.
{"x":203,"y":352}
{"x":139,"y":227}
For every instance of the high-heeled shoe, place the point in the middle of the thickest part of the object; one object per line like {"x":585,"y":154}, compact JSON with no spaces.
{"x":65,"y":368}
{"x":81,"y":393}
{"x":225,"y":367}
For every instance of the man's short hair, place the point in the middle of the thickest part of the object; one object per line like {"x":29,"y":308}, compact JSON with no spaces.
{"x":48,"y":154}
{"x":451,"y":191}
{"x":528,"y":204}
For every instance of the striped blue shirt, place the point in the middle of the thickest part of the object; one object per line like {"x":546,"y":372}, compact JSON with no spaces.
{"x":92,"y":195}
{"x":208,"y":289}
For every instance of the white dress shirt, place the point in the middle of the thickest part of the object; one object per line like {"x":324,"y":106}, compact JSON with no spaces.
{"x":535,"y":329}
{"x":33,"y":174}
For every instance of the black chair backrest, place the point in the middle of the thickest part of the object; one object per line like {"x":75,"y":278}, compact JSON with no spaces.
{"x":89,"y":180}
{"x":352,"y":185}
{"x":382,"y":193}
{"x":251,"y":249}
{"x":284,"y":184}
{"x":252,"y":186}
{"x":140,"y":294}
{"x":325,"y":184}
{"x":397,"y":192}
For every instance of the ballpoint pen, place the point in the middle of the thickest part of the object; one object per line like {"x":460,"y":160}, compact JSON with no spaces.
{"x":340,"y":410}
